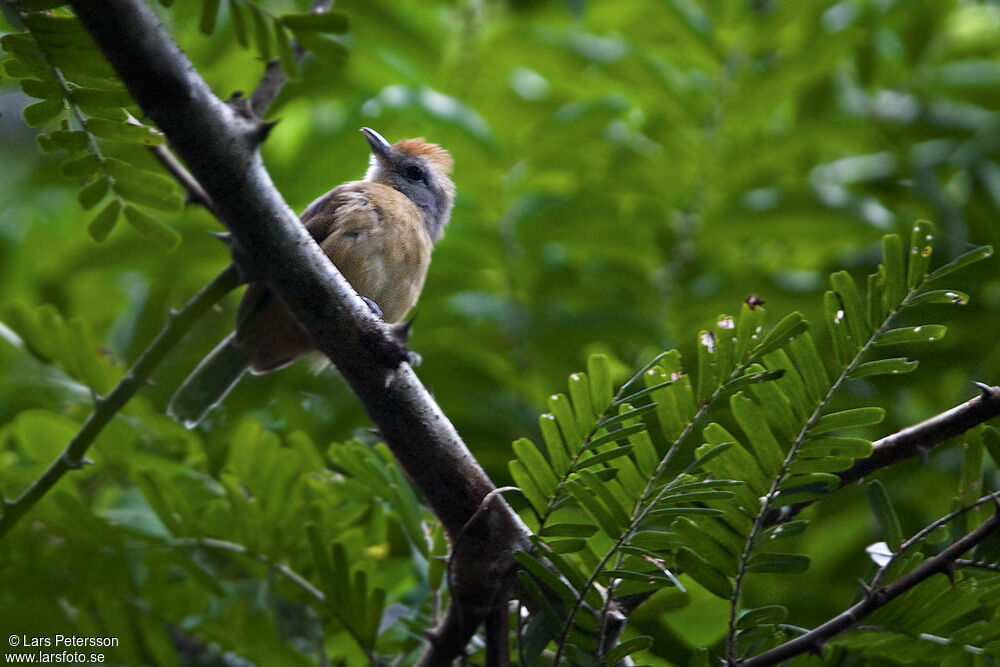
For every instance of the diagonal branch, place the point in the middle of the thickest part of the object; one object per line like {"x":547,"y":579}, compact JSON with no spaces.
{"x":912,"y":441}
{"x":220,"y":147}
{"x":875,"y":598}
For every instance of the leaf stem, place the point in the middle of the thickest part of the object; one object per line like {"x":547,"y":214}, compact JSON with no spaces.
{"x":759,"y":518}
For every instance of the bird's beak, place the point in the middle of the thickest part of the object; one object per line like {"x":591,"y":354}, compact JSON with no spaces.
{"x":381,"y":148}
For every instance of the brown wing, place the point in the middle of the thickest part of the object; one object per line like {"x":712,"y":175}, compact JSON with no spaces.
{"x":375,"y":237}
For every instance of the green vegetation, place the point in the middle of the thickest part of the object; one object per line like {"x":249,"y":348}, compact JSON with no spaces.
{"x":626,"y":172}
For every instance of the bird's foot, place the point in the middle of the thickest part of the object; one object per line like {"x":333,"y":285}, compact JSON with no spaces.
{"x":373,"y":306}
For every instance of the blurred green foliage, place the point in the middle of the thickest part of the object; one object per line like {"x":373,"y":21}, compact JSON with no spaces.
{"x":625,"y":173}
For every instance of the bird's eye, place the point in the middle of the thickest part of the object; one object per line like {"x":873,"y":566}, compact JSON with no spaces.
{"x":413,"y":172}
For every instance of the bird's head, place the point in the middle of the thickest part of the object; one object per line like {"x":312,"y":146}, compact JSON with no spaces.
{"x":417,"y":169}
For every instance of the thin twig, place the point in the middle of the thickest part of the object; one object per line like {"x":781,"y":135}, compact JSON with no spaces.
{"x":875,"y":598}
{"x":108,"y":406}
{"x":925,"y":531}
{"x":763,"y":514}
{"x":263,"y":96}
{"x":274,"y":78}
{"x":195,"y":193}
{"x":225,"y":545}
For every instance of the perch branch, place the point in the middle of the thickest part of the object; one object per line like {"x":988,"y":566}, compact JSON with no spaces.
{"x":219,"y":144}
{"x":913,"y":441}
{"x":875,"y":597}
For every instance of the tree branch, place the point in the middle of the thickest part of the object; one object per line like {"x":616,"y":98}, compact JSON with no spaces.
{"x":875,"y":598}
{"x":912,"y":441}
{"x":220,"y":144}
{"x":926,"y":435}
{"x":73,"y":456}
{"x":274,"y":77}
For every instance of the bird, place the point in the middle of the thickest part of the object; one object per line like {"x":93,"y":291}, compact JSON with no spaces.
{"x":378,"y":231}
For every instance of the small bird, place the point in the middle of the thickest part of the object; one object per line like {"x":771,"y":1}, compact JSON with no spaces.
{"x":378,"y":232}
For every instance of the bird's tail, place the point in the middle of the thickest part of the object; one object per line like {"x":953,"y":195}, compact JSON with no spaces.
{"x":209,"y":383}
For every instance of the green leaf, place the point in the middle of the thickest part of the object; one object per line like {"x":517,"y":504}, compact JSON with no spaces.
{"x":209,"y":13}
{"x":895,"y":277}
{"x":568,"y":530}
{"x":750,"y":618}
{"x":554,"y":445}
{"x":285,"y":54}
{"x":791,"y":383}
{"x":631,"y":398}
{"x":644,"y":453}
{"x":600,"y":514}
{"x":921,"y":247}
{"x":762,"y":442}
{"x":920,"y":334}
{"x":70,"y":141}
{"x":886,"y":514}
{"x":876,"y":298}
{"x":323,"y":567}
{"x":842,"y":345}
{"x":40,"y":5}
{"x":579,"y":393}
{"x":102,"y":223}
{"x":803,"y":465}
{"x":239,"y":23}
{"x":143,"y":187}
{"x":788,"y":328}
{"x":893,"y":366}
{"x":566,"y":546}
{"x":785,"y":530}
{"x":328,"y":50}
{"x":525,"y":482}
{"x":39,"y":113}
{"x":561,"y":408}
{"x":262,"y":33}
{"x":971,"y":257}
{"x":827,"y":481}
{"x":753,"y":378}
{"x":530,"y":585}
{"x":850,"y":298}
{"x":658,"y":515}
{"x":970,"y":483}
{"x":91,"y":195}
{"x":319,"y":22}
{"x":375,"y":608}
{"x":626,"y":648}
{"x":41,"y":89}
{"x":706,"y":366}
{"x":616,"y":435}
{"x":601,"y":387}
{"x":940,"y":296}
{"x":991,"y":441}
{"x":847,"y":419}
{"x":163,"y":235}
{"x":833,"y":446}
{"x":130,"y":133}
{"x":536,"y":465}
{"x":747,"y":329}
{"x":604,"y":457}
{"x":546,"y":576}
{"x":90,"y":97}
{"x":810,"y":366}
{"x":81,"y":167}
{"x":695,"y":537}
{"x":698,"y":569}
{"x":778,"y":563}
{"x":697,"y":496}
